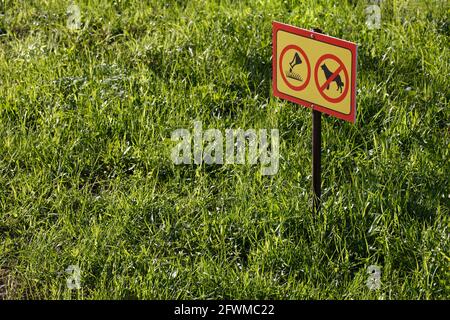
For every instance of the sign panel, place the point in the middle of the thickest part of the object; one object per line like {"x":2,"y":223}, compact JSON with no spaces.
{"x":314,"y":70}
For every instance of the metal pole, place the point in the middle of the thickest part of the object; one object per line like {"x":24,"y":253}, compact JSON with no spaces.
{"x":316,"y":158}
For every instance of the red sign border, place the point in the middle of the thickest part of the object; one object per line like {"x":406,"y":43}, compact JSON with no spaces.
{"x":276,"y":26}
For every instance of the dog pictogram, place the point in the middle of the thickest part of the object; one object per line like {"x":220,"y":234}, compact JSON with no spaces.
{"x":331,"y":76}
{"x":336,"y":79}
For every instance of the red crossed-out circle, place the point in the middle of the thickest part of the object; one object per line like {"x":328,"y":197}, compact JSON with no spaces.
{"x":280,"y":62}
{"x":341,"y":67}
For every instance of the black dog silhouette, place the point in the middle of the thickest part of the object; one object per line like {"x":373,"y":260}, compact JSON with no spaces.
{"x":328,"y":74}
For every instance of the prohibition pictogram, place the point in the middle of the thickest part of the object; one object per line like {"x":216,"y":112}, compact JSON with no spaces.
{"x":331,"y":76}
{"x":296,"y":60}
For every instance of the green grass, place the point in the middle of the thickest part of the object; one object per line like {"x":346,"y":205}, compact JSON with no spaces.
{"x":86,"y":176}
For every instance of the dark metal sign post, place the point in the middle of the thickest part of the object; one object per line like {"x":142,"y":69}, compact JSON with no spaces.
{"x":316,"y":157}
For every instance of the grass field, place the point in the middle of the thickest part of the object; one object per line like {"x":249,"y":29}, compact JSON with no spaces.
{"x":86,"y":176}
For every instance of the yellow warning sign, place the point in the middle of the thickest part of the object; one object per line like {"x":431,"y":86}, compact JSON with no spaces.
{"x":315,"y":70}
